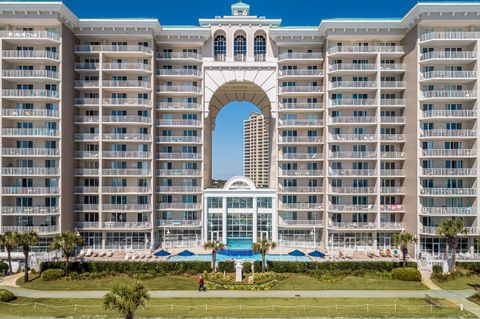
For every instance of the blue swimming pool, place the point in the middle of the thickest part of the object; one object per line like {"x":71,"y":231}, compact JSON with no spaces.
{"x":270,"y":257}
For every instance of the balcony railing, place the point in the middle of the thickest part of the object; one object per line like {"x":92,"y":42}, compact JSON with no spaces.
{"x":300,"y":56}
{"x":393,"y":119}
{"x":13,"y":171}
{"x":126,"y":189}
{"x":178,"y":56}
{"x":352,"y":67}
{"x":19,"y":34}
{"x":353,"y":84}
{"x":178,"y":172}
{"x":298,"y":222}
{"x":392,"y":67}
{"x":177,"y":222}
{"x":447,"y":35}
{"x":86,"y":119}
{"x":353,"y":102}
{"x":30,"y":113}
{"x":127,"y":102}
{"x":352,"y":155}
{"x":86,"y":225}
{"x":178,"y":206}
{"x":301,"y":156}
{"x":301,"y":72}
{"x":86,"y":154}
{"x":392,"y":172}
{"x":455,"y":55}
{"x":448,"y":133}
{"x":392,"y":102}
{"x":27,"y":210}
{"x":179,"y":72}
{"x":113,"y":48}
{"x":315,"y":206}
{"x":33,"y":132}
{"x":433,"y":230}
{"x":301,"y":189}
{"x":449,"y":94}
{"x":448,"y":191}
{"x":85,"y":172}
{"x":353,"y":208}
{"x":300,"y":106}
{"x":178,"y":122}
{"x":179,"y":156}
{"x":300,"y":89}
{"x":126,"y":84}
{"x":86,"y":66}
{"x":79,"y":101}
{"x":392,"y":190}
{"x":300,"y":173}
{"x":127,"y":137}
{"x":366,"y":49}
{"x":86,"y":137}
{"x":392,"y":154}
{"x":127,"y":207}
{"x":352,"y":172}
{"x":448,"y":75}
{"x":38,"y":229}
{"x":30,"y":151}
{"x":126,"y":171}
{"x":353,"y":137}
{"x":126,"y":66}
{"x":392,"y":208}
{"x":127,"y":119}
{"x":178,"y":189}
{"x":352,"y":225}
{"x":392,"y":225}
{"x":450,"y":171}
{"x":353,"y":119}
{"x":126,"y":154}
{"x":85,"y":207}
{"x":450,"y":113}
{"x":30,"y":54}
{"x":85,"y":189}
{"x":127,"y":225}
{"x":30,"y":74}
{"x":300,"y":139}
{"x":300,"y":122}
{"x":449,"y":152}
{"x":35,"y":93}
{"x":392,"y":137}
{"x":179,"y":139}
{"x":353,"y":190}
{"x":178,"y":88}
{"x":449,"y":211}
{"x":30,"y":190}
{"x":393,"y":84}
{"x":178,"y":106}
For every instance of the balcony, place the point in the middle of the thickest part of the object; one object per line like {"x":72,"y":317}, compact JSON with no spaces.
{"x":393,"y":137}
{"x":448,"y":55}
{"x":113,"y":48}
{"x":392,"y":190}
{"x":30,"y":113}
{"x":366,"y":49}
{"x":126,"y":66}
{"x":127,"y":225}
{"x":86,"y":154}
{"x":393,"y":84}
{"x":300,"y":189}
{"x":433,"y":230}
{"x":352,"y":155}
{"x":40,"y":230}
{"x":450,"y":114}
{"x":30,"y":94}
{"x":179,"y":89}
{"x":392,"y":67}
{"x":353,"y":190}
{"x":450,"y":172}
{"x":85,"y":207}
{"x":47,"y":152}
{"x":392,"y":119}
{"x":127,"y":137}
{"x":86,"y":119}
{"x":80,"y":101}
{"x":84,"y":84}
{"x":179,"y":172}
{"x":179,"y":73}
{"x":33,"y":171}
{"x":392,"y":225}
{"x":25,"y":74}
{"x":392,"y":155}
{"x":353,"y":120}
{"x":179,"y":156}
{"x":300,"y":139}
{"x":126,"y":102}
{"x":180,"y":223}
{"x":30,"y":210}
{"x":298,"y":222}
{"x":124,"y":190}
{"x":448,"y":133}
{"x":353,"y":102}
{"x":126,"y":84}
{"x":448,"y":94}
{"x":392,"y":172}
{"x":301,"y":156}
{"x":448,"y":75}
{"x":352,"y":172}
{"x":303,"y":206}
{"x":126,"y":172}
{"x":180,"y":206}
{"x":352,"y":67}
{"x":300,"y":56}
{"x":301,"y":173}
{"x":300,"y":106}
{"x":448,"y":191}
{"x":30,"y":54}
{"x":86,"y":172}
{"x":30,"y":132}
{"x":460,"y":35}
{"x":449,"y":211}
{"x":86,"y":137}
{"x":300,"y":89}
{"x":180,"y":106}
{"x":86,"y":225}
{"x":179,"y":189}
{"x":178,"y":56}
{"x":127,"y":119}
{"x":353,"y":208}
{"x":126,"y":154}
{"x":126,"y":207}
{"x":178,"y":122}
{"x":300,"y":73}
{"x":449,"y":152}
{"x":85,"y":190}
{"x":300,"y":122}
{"x":353,"y":137}
{"x":352,"y":225}
{"x":353,"y":85}
{"x":179,"y":139}
{"x":82,"y":66}
{"x":392,"y":102}
{"x":392,"y":208}
{"x":30,"y":35}
{"x":31,"y":190}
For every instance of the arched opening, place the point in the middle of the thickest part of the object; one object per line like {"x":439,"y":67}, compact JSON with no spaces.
{"x":240,"y":47}
{"x":231,"y":104}
{"x":259,"y":48}
{"x":220,"y":47}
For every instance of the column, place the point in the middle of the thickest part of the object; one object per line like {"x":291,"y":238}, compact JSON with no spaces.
{"x":255,"y":220}
{"x":274,"y":220}
{"x":224,"y":220}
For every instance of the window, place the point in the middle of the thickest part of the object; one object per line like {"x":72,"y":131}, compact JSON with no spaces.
{"x":219,"y":48}
{"x":259,"y":48}
{"x":240,"y":48}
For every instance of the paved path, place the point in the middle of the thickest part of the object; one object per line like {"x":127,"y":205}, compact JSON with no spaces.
{"x":427,"y":282}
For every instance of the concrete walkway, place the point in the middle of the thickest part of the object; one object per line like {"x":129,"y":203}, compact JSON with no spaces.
{"x":427,"y":282}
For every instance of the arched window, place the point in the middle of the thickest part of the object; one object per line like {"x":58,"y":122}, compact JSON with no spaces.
{"x":219,"y":48}
{"x":240,"y":48}
{"x":259,"y":48}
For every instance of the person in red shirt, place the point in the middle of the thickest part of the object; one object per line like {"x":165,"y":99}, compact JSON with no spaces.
{"x":201,"y":284}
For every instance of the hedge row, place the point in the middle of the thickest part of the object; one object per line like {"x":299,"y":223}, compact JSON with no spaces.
{"x":473,"y":266}
{"x":335,"y":266}
{"x":406,"y":274}
{"x":193,"y":267}
{"x":229,"y":267}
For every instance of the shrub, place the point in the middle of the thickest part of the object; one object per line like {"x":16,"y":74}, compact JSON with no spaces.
{"x":3,"y":267}
{"x":226,"y":266}
{"x":336,"y":267}
{"x":406,"y":274}
{"x":52,"y":274}
{"x":73,"y":275}
{"x":6,"y":295}
{"x":437,"y":269}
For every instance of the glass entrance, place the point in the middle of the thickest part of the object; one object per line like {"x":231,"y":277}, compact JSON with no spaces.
{"x":128,"y":243}
{"x":350,"y":242}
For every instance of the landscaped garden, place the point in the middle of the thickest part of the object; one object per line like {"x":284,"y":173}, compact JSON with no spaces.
{"x":465,"y":275}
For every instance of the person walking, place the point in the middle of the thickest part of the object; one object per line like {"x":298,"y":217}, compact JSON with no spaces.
{"x":201,"y":284}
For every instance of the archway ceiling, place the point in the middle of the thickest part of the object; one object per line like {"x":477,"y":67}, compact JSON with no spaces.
{"x":239,"y":91}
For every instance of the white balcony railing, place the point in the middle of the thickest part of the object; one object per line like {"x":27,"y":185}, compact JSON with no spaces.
{"x":449,"y":152}
{"x":30,"y":113}
{"x":448,"y":75}
{"x":313,"y":206}
{"x":448,"y":55}
{"x":127,"y":225}
{"x":353,"y":208}
{"x":448,"y":133}
{"x":38,"y":229}
{"x":352,"y":225}
{"x":300,"y":56}
{"x":20,"y":34}
{"x":35,"y":93}
{"x":30,"y":74}
{"x":449,"y":171}
{"x":30,"y":190}
{"x":448,"y":191}
{"x":449,"y":211}
{"x":30,"y":210}
{"x":33,"y":132}
{"x":30,"y":54}
{"x":448,"y":94}
{"x":176,"y":222}
{"x":127,"y":207}
{"x":30,"y":151}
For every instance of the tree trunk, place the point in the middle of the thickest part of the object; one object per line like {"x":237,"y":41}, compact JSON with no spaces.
{"x":263,"y":262}
{"x":9,"y":262}
{"x":404,"y":254}
{"x":67,"y":264}
{"x":454,"y":253}
{"x":129,"y":315}
{"x":25,"y":276}
{"x":214,"y":259}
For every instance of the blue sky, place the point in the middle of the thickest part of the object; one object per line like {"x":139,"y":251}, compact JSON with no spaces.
{"x":228,"y":135}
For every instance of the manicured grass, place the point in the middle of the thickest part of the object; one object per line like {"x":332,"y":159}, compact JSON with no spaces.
{"x":458,"y":283}
{"x":304,"y":282}
{"x":157,"y":283}
{"x":239,"y":308}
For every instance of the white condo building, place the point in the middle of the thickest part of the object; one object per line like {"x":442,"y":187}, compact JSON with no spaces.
{"x":372,"y":127}
{"x":256,"y":157}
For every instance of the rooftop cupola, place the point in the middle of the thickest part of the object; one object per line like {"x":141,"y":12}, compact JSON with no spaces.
{"x":240,"y":9}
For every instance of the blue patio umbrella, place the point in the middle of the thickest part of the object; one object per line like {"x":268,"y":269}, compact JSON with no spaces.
{"x":162,"y":253}
{"x":185,"y":253}
{"x":316,"y":253}
{"x":296,"y":253}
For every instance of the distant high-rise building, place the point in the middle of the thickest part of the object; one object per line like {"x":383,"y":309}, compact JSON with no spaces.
{"x":255,"y":149}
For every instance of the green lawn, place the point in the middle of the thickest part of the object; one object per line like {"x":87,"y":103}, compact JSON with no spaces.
{"x":240,"y":308}
{"x":458,"y":283}
{"x":157,"y":283}
{"x":304,"y":282}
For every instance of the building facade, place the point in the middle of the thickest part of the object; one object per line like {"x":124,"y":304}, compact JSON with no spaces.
{"x":372,"y":125}
{"x":256,"y":150}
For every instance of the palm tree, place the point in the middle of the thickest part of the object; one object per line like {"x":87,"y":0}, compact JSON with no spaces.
{"x":263,"y":246}
{"x":215,"y":246}
{"x":126,"y":298}
{"x":67,"y":242}
{"x":450,"y":229}
{"x":402,"y":240}
{"x":8,"y":241}
{"x":26,"y":241}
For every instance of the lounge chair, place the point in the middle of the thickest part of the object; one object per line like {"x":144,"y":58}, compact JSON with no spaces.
{"x":383,"y":253}
{"x":95,"y":254}
{"x":89,"y":253}
{"x":81,"y":253}
{"x":102,"y":254}
{"x":389,"y":253}
{"x":110,"y":254}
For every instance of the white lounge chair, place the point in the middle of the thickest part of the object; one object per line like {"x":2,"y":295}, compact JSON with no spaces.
{"x":89,"y":253}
